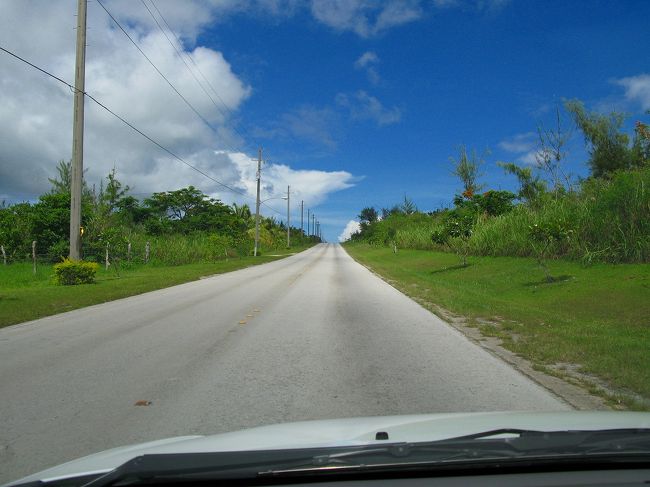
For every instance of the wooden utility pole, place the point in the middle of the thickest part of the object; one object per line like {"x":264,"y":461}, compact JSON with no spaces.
{"x":308,"y":234}
{"x":34,"y":256}
{"x":76,"y":179}
{"x":302,"y":215}
{"x":257,"y":201}
{"x":288,"y":217}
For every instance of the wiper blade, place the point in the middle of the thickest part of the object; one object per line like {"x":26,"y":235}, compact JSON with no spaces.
{"x":491,"y":445}
{"x":518,"y":444}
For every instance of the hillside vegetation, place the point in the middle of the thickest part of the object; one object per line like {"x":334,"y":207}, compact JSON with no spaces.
{"x":603,"y":218}
{"x":558,"y":271}
{"x":176,"y":227}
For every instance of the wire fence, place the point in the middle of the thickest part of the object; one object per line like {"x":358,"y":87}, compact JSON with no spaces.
{"x":110,"y":257}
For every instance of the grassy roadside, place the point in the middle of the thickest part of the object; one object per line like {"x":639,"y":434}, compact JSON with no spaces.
{"x":25,"y":296}
{"x":592,"y":323}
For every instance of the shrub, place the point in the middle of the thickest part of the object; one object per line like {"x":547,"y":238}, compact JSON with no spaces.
{"x":58,"y":251}
{"x":71,"y":272}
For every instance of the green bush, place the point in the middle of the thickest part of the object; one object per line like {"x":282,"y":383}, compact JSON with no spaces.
{"x":71,"y":272}
{"x":58,"y":251}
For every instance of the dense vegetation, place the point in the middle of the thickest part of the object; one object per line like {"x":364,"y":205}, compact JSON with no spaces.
{"x":177,"y":227}
{"x":605,"y":217}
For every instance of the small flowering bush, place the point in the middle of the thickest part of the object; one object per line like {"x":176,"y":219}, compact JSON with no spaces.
{"x":70,"y":272}
{"x":543,"y":236}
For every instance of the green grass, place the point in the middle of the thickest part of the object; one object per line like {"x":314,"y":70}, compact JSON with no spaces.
{"x":26,"y":296}
{"x":597,"y":317}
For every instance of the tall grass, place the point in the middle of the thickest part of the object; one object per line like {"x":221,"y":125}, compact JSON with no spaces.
{"x":177,"y":249}
{"x":609,"y":221}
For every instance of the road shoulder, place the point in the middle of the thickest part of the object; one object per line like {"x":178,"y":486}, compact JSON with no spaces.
{"x":575,"y":393}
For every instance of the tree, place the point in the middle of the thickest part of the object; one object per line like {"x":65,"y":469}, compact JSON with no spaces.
{"x":642,"y":141}
{"x":175,"y":205}
{"x":386,"y":212}
{"x":114,"y":192}
{"x":187,"y":210}
{"x":130,"y":211}
{"x":62,"y":182}
{"x":408,"y":207}
{"x":368,"y":215}
{"x":552,"y":150}
{"x":466,"y":167}
{"x":242,"y":211}
{"x":530,"y":186}
{"x":608,"y":147}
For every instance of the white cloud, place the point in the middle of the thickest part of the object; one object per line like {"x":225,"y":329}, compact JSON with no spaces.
{"x":637,"y":89}
{"x":368,"y":61}
{"x":36,"y":111}
{"x":362,"y":106}
{"x":351,"y":228}
{"x":473,"y":5}
{"x":311,"y":186}
{"x":365,"y":59}
{"x":529,"y":158}
{"x":519,"y":143}
{"x":366,"y":18}
{"x":446,"y":3}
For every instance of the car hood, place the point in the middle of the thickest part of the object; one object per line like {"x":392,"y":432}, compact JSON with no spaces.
{"x":348,"y":432}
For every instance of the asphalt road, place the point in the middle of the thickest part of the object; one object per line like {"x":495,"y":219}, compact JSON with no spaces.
{"x":312,"y":336}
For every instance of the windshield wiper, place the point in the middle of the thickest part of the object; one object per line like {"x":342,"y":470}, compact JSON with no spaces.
{"x":500,"y":445}
{"x":491,"y":445}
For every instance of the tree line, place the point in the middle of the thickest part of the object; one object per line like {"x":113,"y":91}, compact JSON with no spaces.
{"x":603,"y":217}
{"x":112,"y":217}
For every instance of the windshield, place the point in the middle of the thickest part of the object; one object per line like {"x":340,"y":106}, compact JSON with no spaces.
{"x":227,"y":215}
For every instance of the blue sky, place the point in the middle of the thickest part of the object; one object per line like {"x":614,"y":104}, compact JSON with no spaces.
{"x":356,"y":102}
{"x":465,"y":74}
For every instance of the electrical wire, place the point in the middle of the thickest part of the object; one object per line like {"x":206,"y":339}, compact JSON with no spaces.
{"x":207,"y":81}
{"x":186,"y":65}
{"x":189,"y":69}
{"x":133,"y":127}
{"x":156,"y":68}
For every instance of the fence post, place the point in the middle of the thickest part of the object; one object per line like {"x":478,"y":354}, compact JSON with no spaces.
{"x":106,"y":262}
{"x":147,"y":249}
{"x":128,"y":252}
{"x":34,"y":255}
{"x":4,"y":254}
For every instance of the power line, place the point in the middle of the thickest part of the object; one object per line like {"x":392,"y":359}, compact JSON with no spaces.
{"x":156,"y":68}
{"x":133,"y":127}
{"x":207,"y":81}
{"x":214,"y":91}
{"x":180,"y":55}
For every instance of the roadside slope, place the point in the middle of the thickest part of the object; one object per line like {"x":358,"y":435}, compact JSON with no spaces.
{"x":590,"y":327}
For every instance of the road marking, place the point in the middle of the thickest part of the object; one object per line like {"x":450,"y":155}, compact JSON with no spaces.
{"x":242,"y":322}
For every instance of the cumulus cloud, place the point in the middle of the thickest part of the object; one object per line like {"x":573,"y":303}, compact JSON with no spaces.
{"x":36,"y":112}
{"x":368,"y":61}
{"x":362,"y":106}
{"x":519,"y":143}
{"x":524,"y":145}
{"x":350,"y":229}
{"x":363,"y":17}
{"x":637,"y":89}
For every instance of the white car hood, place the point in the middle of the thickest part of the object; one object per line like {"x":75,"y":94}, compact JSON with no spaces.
{"x":345,"y":432}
